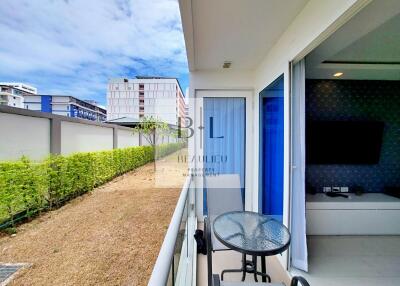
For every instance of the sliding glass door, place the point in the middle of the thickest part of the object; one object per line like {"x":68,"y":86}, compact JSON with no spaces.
{"x":272,"y":149}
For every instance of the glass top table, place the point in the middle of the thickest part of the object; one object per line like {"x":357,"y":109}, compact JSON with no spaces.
{"x":251,"y":233}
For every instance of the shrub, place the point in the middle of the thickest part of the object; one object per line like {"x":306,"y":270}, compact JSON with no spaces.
{"x":165,"y":149}
{"x":29,"y":187}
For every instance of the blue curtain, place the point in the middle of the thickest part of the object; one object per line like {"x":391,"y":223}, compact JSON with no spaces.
{"x":224,"y":138}
{"x":273,"y":156}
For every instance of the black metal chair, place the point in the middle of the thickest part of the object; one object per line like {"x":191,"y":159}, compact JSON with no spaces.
{"x":296,"y":281}
{"x":224,"y":194}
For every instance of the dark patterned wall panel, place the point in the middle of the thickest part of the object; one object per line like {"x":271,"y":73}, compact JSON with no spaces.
{"x":342,"y":100}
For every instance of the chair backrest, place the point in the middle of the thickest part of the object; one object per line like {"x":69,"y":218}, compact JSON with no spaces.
{"x":207,"y":224}
{"x":299,"y":281}
{"x":224,"y":194}
{"x":212,"y":279}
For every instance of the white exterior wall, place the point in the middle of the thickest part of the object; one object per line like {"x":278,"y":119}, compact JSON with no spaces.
{"x":33,"y":102}
{"x":315,"y":23}
{"x":60,"y":105}
{"x":144,"y":141}
{"x":77,"y":137}
{"x":127,"y":138}
{"x":12,"y":100}
{"x":22,"y":86}
{"x":12,"y":94}
{"x":24,"y":135}
{"x":61,"y":109}
{"x":312,"y":25}
{"x":16,"y":101}
{"x":29,"y":133}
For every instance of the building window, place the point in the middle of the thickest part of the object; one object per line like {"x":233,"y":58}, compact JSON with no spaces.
{"x":141,"y":93}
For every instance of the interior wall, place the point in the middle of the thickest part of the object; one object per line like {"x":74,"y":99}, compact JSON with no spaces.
{"x":357,"y":100}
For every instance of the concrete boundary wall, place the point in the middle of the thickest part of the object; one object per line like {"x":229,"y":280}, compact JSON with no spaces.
{"x":37,"y":134}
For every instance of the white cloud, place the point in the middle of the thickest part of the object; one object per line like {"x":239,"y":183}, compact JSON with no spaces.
{"x":74,"y":46}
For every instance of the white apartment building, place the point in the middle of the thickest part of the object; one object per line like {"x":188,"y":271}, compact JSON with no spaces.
{"x":159,"y":97}
{"x":12,"y":93}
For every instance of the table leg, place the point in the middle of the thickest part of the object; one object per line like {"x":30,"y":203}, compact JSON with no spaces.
{"x":255,"y":268}
{"x":263,"y":268}
{"x":244,"y":267}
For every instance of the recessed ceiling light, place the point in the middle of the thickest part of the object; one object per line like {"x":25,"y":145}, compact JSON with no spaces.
{"x":338,"y":74}
{"x":227,"y":65}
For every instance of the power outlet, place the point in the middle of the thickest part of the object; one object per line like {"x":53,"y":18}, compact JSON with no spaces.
{"x":344,"y":189}
{"x":327,"y":189}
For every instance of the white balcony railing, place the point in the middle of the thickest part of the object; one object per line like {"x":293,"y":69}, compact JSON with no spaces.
{"x":176,"y":262}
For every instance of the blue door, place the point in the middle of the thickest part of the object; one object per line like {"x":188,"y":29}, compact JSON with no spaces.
{"x":272,"y":149}
{"x":224,"y":138}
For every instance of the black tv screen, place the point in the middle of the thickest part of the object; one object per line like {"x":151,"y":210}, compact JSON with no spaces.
{"x":343,"y":142}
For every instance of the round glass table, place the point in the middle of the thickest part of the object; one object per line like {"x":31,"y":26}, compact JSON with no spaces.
{"x":252,"y":234}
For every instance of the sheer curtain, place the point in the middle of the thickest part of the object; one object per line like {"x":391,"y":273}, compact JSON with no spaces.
{"x":224,"y":138}
{"x":298,"y":227}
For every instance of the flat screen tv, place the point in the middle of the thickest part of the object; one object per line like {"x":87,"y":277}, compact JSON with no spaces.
{"x":343,"y":142}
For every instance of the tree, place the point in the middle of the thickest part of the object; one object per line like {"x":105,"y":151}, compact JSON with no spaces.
{"x":151,"y":128}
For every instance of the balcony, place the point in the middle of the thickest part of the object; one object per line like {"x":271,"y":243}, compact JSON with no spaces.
{"x":178,"y":262}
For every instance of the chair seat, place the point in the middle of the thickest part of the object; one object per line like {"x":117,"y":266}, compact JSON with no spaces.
{"x":225,"y":283}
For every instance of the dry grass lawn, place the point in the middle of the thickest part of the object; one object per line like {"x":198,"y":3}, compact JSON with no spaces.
{"x":111,"y":236}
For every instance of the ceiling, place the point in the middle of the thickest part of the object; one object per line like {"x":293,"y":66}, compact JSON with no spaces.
{"x":367,"y":47}
{"x":234,"y":30}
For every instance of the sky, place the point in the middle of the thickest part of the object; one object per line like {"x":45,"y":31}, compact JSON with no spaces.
{"x":72,"y":47}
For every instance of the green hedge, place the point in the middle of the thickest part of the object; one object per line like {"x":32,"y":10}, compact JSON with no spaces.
{"x":28,"y":187}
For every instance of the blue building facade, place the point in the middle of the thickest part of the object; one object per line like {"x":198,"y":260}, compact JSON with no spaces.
{"x":66,"y":106}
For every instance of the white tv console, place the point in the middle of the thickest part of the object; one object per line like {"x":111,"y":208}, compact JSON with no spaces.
{"x":368,"y":214}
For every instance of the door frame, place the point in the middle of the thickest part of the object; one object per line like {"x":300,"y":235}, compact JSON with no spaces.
{"x":251,"y":197}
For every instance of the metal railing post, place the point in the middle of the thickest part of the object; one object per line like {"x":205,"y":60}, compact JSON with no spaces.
{"x":159,"y":276}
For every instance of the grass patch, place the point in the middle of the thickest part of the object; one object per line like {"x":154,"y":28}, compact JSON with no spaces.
{"x":28,"y":188}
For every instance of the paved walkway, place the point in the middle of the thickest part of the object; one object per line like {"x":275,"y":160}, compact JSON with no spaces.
{"x":109,"y":237}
